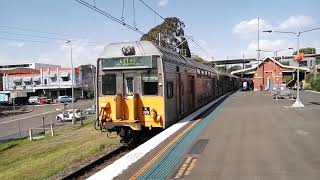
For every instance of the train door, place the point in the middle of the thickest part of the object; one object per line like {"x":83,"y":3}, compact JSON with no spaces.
{"x":178,"y":98}
{"x":129,"y":97}
{"x":191,"y":93}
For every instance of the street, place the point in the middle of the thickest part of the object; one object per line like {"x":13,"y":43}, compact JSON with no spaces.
{"x":35,"y":117}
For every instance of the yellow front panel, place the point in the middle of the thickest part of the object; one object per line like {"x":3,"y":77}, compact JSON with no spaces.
{"x":156,"y":103}
{"x":131,"y":108}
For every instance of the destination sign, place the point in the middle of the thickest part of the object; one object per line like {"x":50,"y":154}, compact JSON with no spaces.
{"x":129,"y":62}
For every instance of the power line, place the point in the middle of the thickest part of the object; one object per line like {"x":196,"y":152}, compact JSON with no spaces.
{"x":33,"y":30}
{"x":109,"y":16}
{"x":27,"y":40}
{"x":151,"y":9}
{"x":20,"y":34}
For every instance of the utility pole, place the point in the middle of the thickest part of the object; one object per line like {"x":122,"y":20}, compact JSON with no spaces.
{"x":258,"y":39}
{"x":72,"y":83}
{"x":159,"y":39}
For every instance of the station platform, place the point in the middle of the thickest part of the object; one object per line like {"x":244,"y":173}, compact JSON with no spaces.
{"x":247,"y":135}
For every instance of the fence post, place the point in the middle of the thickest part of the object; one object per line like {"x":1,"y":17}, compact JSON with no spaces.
{"x":30,"y":135}
{"x":81,"y":123}
{"x":51,"y":127}
{"x":44,"y":130}
{"x":19,"y":128}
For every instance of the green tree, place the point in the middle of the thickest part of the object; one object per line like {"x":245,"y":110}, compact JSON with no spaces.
{"x":199,"y":59}
{"x":234,"y":68}
{"x":307,"y":50}
{"x":172,"y":35}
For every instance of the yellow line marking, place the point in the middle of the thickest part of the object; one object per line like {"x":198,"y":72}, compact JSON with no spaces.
{"x":183,"y":168}
{"x":192,"y":164}
{"x":138,"y":173}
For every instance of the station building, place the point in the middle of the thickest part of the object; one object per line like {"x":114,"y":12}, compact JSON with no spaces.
{"x":36,"y":79}
{"x":269,"y":72}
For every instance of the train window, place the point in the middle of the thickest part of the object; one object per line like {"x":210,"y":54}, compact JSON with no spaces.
{"x":150,"y":84}
{"x":109,"y":84}
{"x":169,"y":90}
{"x":129,"y":86}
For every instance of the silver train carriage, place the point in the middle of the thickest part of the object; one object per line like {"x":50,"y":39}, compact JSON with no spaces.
{"x":142,"y":87}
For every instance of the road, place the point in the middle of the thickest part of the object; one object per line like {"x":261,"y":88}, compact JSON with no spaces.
{"x":251,"y":136}
{"x":38,"y":113}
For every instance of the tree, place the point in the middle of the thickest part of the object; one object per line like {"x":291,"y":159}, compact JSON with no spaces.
{"x":199,"y":59}
{"x":307,"y":50}
{"x":234,"y":68}
{"x":172,"y":35}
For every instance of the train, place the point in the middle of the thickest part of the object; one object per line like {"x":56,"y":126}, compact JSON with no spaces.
{"x":142,"y":87}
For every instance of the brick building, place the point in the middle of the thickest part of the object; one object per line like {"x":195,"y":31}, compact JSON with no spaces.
{"x":270,"y":72}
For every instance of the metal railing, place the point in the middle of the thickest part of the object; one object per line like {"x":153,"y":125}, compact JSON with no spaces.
{"x":40,"y":123}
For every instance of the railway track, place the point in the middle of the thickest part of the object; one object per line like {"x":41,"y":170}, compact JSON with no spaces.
{"x":86,"y":170}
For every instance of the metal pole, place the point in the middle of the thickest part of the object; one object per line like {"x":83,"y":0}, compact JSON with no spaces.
{"x":43,"y":126}
{"x":258,"y":39}
{"x":298,"y":103}
{"x":72,"y":81}
{"x":159,"y":39}
{"x":274,"y":69}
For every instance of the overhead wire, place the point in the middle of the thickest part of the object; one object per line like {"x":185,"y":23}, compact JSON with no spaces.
{"x":27,"y":40}
{"x":109,"y":16}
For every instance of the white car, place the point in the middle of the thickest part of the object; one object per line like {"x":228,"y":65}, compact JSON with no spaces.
{"x":68,"y":115}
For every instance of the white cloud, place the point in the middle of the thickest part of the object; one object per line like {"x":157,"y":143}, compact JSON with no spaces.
{"x":249,"y":26}
{"x":267,"y":45}
{"x":162,"y":3}
{"x":15,"y":44}
{"x":296,"y":22}
{"x":82,"y":53}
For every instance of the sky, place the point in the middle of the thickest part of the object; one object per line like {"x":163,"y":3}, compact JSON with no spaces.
{"x":35,"y":30}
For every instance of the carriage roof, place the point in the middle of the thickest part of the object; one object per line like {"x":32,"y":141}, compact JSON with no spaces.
{"x":147,"y":48}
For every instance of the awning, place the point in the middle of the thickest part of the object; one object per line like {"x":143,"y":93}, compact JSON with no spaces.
{"x":26,"y":79}
{"x":64,"y":74}
{"x":36,"y":79}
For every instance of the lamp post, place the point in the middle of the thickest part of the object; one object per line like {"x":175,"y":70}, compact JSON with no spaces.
{"x":72,"y":79}
{"x":298,"y":102}
{"x":275,"y":54}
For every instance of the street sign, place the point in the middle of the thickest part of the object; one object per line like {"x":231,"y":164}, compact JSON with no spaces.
{"x":299,"y":57}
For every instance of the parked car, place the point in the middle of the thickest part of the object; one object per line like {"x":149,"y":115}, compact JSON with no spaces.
{"x":63,"y":99}
{"x":39,"y":100}
{"x":89,"y":110}
{"x":68,"y":115}
{"x":44,"y":100}
{"x":33,"y":100}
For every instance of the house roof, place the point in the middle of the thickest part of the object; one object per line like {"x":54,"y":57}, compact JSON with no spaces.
{"x":21,"y":71}
{"x":276,"y":62}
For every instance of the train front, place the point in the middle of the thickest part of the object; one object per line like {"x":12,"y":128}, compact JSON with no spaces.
{"x":129,"y":89}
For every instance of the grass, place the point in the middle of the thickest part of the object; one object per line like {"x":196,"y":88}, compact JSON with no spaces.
{"x":43,"y":158}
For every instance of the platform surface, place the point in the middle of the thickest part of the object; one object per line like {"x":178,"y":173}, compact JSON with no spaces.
{"x":248,"y":136}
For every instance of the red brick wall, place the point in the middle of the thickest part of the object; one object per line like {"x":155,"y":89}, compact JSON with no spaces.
{"x":268,"y":69}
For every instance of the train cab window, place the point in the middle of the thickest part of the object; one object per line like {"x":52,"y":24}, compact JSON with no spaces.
{"x":109,"y":84}
{"x":129,"y":86}
{"x":169,"y":90}
{"x":150,"y":84}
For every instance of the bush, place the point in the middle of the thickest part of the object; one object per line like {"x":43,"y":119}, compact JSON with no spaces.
{"x":287,"y":78}
{"x":315,"y":83}
{"x":309,"y":77}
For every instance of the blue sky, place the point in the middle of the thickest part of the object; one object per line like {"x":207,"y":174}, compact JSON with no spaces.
{"x":224,"y":28}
